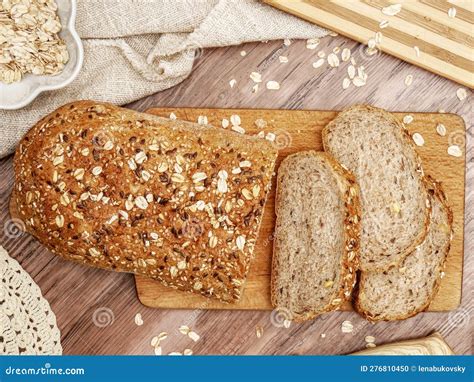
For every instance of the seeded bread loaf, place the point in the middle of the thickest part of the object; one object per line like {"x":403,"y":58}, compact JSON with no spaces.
{"x":378,"y":150}
{"x":404,"y":291}
{"x":130,"y":192}
{"x":316,"y":236}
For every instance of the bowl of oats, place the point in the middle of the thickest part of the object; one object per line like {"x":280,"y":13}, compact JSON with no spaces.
{"x":40,"y":49}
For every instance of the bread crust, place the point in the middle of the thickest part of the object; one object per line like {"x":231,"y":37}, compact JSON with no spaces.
{"x":103,"y":186}
{"x":418,"y":168}
{"x":436,"y":191}
{"x":350,"y":259}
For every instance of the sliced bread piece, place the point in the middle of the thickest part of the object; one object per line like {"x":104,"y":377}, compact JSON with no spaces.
{"x":316,"y":236}
{"x":378,"y":150}
{"x":404,"y":291}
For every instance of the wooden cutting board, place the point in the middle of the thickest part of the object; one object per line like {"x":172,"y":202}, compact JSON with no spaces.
{"x":298,"y":130}
{"x":446,"y":44}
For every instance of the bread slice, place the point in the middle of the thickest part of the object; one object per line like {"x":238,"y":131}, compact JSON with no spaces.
{"x":406,"y":290}
{"x":131,"y":192}
{"x":378,"y":150}
{"x":316,"y":236}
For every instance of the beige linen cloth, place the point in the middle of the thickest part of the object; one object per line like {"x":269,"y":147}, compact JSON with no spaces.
{"x":134,"y":48}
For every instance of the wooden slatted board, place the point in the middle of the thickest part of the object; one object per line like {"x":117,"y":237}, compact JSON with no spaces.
{"x":298,"y":130}
{"x":446,"y":44}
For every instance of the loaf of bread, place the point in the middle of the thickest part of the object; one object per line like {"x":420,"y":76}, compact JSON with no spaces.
{"x":408,"y":289}
{"x":130,"y":192}
{"x":377,"y":149}
{"x":315,"y":255}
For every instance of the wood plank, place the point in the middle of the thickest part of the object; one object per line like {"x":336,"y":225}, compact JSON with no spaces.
{"x":446,"y":44}
{"x":301,"y":130}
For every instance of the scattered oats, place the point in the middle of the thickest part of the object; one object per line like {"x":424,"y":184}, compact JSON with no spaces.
{"x":60,"y":221}
{"x":408,"y":80}
{"x":273,"y":85}
{"x":452,"y":12}
{"x":238,"y":129}
{"x":283,"y":59}
{"x":323,"y":335}
{"x":194,"y":336}
{"x":336,"y":50}
{"x":346,"y":82}
{"x":318,"y":63}
{"x":240,"y":242}
{"x":333,"y":60}
{"x":333,"y":34}
{"x":407,"y":119}
{"x":371,"y":43}
{"x":158,"y":350}
{"x":454,"y":151}
{"x":383,"y":24}
{"x":392,"y":10}
{"x":154,"y":341}
{"x":232,"y":83}
{"x":79,"y":173}
{"x":287,"y":324}
{"x":312,"y":43}
{"x":358,"y":81}
{"x":417,"y":51}
{"x":255,"y":88}
{"x":256,"y":77}
{"x":183,"y":329}
{"x":418,"y":139}
{"x":173,"y":116}
{"x":442,"y":111}
{"x":212,"y":242}
{"x":370,"y":345}
{"x":370,"y":339}
{"x":97,"y":170}
{"x":347,"y":327}
{"x":141,"y":202}
{"x":146,"y":176}
{"x":188,"y":352}
{"x":243,"y":53}
{"x":222,"y":185}
{"x":225,"y":123}
{"x":140,"y":157}
{"x":441,"y":129}
{"x":259,"y":331}
{"x":270,"y":137}
{"x":261,"y":134}
{"x":138,"y":319}
{"x":175,"y":353}
{"x":287,"y":42}
{"x":461,"y":94}
{"x":235,"y":120}
{"x":109,"y":145}
{"x":346,"y":54}
{"x":378,"y":38}
{"x":202,"y":120}
{"x":260,"y":123}
{"x":245,"y":163}
{"x":351,"y":71}
{"x":321,"y":54}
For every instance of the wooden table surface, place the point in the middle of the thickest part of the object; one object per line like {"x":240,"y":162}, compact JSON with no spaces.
{"x":96,"y":309}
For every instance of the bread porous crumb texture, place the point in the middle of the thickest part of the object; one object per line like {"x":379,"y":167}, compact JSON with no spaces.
{"x":316,"y":235}
{"x":404,"y":291}
{"x":378,"y":150}
{"x":131,"y":192}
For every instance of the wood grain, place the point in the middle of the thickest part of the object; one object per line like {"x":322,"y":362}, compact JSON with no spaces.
{"x":76,"y":293}
{"x":446,"y":44}
{"x":295,"y":131}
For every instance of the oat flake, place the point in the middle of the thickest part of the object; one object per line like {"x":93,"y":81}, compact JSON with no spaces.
{"x":418,"y":139}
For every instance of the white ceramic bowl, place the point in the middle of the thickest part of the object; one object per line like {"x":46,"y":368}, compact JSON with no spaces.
{"x":19,"y":94}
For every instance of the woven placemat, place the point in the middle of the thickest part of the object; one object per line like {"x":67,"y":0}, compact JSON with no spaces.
{"x":27,"y":323}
